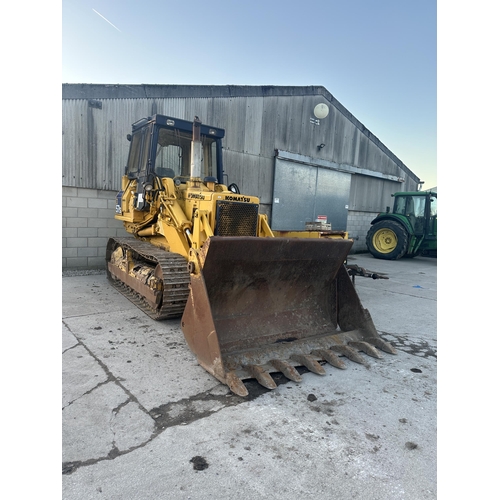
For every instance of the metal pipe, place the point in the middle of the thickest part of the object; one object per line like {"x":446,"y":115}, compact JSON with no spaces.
{"x":196,"y":150}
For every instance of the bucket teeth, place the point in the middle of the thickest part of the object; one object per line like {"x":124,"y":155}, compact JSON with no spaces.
{"x":349,"y":353}
{"x":366,"y":348}
{"x":286,"y":369}
{"x":329,"y":357}
{"x":328,"y":351}
{"x":235,"y":384}
{"x":309,"y":362}
{"x":381,"y":344}
{"x":261,"y":375}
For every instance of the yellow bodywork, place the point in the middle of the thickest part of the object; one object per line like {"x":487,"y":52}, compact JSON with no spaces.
{"x":181,"y":217}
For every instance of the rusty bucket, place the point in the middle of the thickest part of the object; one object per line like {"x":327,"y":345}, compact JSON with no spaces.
{"x":263,"y":305}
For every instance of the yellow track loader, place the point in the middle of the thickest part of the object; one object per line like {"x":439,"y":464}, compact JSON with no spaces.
{"x":251,"y":303}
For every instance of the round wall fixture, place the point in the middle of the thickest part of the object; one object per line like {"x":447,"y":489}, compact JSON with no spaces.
{"x":321,"y":110}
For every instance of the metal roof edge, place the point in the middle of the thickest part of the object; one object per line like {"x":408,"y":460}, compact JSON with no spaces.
{"x":141,"y":91}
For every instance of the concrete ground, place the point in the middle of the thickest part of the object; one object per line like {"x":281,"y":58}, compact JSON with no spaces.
{"x":141,"y":420}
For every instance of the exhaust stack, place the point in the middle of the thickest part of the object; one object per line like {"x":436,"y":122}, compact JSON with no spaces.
{"x":196,"y":150}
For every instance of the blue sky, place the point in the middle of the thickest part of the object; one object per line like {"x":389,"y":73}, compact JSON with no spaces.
{"x":378,"y":58}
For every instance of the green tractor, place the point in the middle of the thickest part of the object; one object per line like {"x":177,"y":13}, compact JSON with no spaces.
{"x":410,"y":230}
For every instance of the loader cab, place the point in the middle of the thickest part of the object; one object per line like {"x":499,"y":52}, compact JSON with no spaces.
{"x":160,"y":146}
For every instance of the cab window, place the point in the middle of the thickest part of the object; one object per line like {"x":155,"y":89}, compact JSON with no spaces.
{"x":173,"y":154}
{"x":138,"y":153}
{"x":410,"y":206}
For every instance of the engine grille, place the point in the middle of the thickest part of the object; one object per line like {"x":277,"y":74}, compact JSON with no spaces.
{"x":236,"y":219}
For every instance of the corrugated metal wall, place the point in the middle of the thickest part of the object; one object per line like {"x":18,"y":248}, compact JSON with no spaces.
{"x":258,"y":121}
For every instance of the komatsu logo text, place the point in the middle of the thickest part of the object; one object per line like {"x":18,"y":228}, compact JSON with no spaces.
{"x":238,"y":198}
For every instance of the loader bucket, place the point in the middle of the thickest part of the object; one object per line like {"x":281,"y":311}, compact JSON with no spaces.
{"x":263,"y":305}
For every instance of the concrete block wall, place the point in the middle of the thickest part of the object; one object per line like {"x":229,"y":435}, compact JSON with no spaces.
{"x":358,"y":224}
{"x":87,"y":223}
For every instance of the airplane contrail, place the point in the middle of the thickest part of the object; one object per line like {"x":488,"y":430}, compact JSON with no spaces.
{"x":106,"y":20}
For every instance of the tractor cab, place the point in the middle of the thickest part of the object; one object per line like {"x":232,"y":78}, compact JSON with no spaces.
{"x":420,"y":208}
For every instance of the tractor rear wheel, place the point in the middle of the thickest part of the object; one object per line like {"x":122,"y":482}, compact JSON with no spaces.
{"x":387,"y":239}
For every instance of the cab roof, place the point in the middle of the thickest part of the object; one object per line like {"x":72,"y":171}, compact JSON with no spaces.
{"x":177,"y":123}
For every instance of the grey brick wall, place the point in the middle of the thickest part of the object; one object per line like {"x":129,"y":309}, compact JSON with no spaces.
{"x":358,"y":224}
{"x":87,"y":223}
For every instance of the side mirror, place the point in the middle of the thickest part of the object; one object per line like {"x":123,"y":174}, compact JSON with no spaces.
{"x":129,"y":137}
